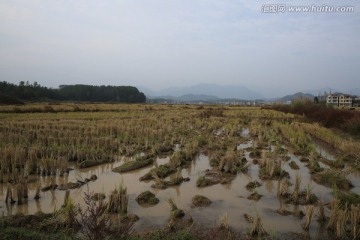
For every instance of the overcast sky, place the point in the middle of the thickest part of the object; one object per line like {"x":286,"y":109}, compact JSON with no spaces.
{"x":165,"y":43}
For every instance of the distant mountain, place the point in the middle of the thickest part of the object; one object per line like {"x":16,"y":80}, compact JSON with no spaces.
{"x":147,"y":91}
{"x":295,"y":96}
{"x":188,"y":98}
{"x":214,"y":90}
{"x":321,"y":91}
{"x":354,"y":91}
{"x":193,"y":98}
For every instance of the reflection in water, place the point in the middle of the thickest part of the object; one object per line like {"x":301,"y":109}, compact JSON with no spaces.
{"x":321,"y":230}
{"x":53,"y":199}
{"x":269,"y":186}
{"x":38,"y":206}
{"x":9,"y":208}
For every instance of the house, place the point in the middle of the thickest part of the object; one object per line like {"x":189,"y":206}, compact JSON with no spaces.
{"x":340,"y":100}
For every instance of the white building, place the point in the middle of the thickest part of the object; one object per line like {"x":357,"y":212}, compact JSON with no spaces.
{"x":340,"y":100}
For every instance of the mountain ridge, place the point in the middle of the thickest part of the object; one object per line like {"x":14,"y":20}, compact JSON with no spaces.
{"x":219,"y":91}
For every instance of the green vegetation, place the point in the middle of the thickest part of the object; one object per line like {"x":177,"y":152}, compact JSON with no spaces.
{"x":133,"y":165}
{"x":17,"y":94}
{"x":161,"y":171}
{"x":333,"y":178}
{"x":12,"y":233}
{"x":200,"y":201}
{"x":346,"y":198}
{"x":147,"y":197}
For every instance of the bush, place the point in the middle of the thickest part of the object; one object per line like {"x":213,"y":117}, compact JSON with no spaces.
{"x":328,"y":116}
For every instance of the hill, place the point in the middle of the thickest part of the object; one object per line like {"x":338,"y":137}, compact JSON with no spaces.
{"x":214,"y":90}
{"x":294,"y":96}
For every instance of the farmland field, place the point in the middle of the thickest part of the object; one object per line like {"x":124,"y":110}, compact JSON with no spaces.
{"x":262,"y":172}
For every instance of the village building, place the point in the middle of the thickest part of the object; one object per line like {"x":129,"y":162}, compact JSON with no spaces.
{"x":340,"y":100}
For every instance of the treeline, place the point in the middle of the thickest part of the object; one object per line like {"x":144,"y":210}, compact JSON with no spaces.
{"x":24,"y":92}
{"x":346,"y":120}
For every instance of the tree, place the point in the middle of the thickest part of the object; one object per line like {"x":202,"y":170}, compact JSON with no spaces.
{"x":316,"y":100}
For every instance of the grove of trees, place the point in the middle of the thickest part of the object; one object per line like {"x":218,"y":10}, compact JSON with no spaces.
{"x":24,"y":92}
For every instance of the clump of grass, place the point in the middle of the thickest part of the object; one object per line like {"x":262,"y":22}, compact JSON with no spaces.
{"x":338,"y":163}
{"x":295,"y":194}
{"x":210,"y":178}
{"x":147,"y":197}
{"x":201,"y":181}
{"x":314,"y":166}
{"x":293,"y":165}
{"x":335,"y":207}
{"x":224,"y":223}
{"x":283,"y":189}
{"x":256,"y":225}
{"x":255,"y":196}
{"x":133,"y":165}
{"x":342,"y":217}
{"x":175,"y":211}
{"x":159,"y":183}
{"x":321,"y":211}
{"x":331,"y":177}
{"x":178,"y":159}
{"x":233,"y":162}
{"x":252,"y":185}
{"x":308,"y":193}
{"x":161,"y":171}
{"x":346,"y":198}
{"x":309,"y":211}
{"x":200,"y":201}
{"x":271,"y":169}
{"x":118,"y":201}
{"x":355,"y":221}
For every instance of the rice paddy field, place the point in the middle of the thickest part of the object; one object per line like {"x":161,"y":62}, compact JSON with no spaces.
{"x":245,"y":171}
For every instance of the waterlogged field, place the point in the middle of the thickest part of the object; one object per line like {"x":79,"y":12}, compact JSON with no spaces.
{"x":240,"y":170}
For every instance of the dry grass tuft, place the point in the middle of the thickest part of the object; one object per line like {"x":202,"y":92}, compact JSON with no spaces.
{"x":309,"y":212}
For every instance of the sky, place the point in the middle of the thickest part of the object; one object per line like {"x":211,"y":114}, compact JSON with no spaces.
{"x":169,"y":43}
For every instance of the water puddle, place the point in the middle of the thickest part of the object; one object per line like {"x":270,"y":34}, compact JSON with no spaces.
{"x":245,"y":132}
{"x":324,"y":151}
{"x":230,"y":198}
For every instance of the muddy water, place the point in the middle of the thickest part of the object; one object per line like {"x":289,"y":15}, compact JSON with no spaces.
{"x":330,"y":154}
{"x":230,"y":199}
{"x":324,"y":152}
